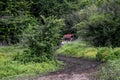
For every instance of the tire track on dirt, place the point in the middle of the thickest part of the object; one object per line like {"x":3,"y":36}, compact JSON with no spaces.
{"x":75,"y":69}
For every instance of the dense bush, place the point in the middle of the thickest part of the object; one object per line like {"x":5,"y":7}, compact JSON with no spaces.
{"x":42,"y":42}
{"x":104,"y":54}
{"x":13,"y":21}
{"x":100,"y":25}
{"x":15,"y":15}
{"x":116,"y":53}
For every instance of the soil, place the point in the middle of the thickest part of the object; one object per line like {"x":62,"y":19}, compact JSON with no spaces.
{"x":75,"y":69}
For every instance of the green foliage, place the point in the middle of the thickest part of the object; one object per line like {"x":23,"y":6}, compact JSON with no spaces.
{"x":78,"y":49}
{"x":13,"y":49}
{"x":110,"y":71}
{"x":55,"y":7}
{"x":103,"y":53}
{"x":42,"y":41}
{"x":14,"y":20}
{"x":116,"y":54}
{"x":97,"y":21}
{"x":101,"y":25}
{"x":14,"y":69}
{"x":7,"y":53}
{"x":10,"y":69}
{"x":16,"y":15}
{"x":100,"y":18}
{"x":90,"y":53}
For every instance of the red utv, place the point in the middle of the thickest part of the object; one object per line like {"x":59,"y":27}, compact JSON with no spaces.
{"x":67,"y":38}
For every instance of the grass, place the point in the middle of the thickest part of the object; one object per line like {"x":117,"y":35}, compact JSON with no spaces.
{"x":10,"y":69}
{"x":11,"y":49}
{"x":81,"y":49}
{"x":13,"y":69}
{"x":109,"y":71}
{"x":78,"y":49}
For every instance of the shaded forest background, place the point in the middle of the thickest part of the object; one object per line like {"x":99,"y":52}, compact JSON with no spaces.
{"x":96,"y":20}
{"x":41,"y":23}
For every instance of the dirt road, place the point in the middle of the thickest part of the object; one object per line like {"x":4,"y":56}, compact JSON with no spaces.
{"x":75,"y":69}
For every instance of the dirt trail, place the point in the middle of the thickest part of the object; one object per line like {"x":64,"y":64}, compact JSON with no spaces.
{"x":75,"y":69}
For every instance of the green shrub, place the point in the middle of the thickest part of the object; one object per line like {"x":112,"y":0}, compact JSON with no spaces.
{"x":42,"y":41}
{"x":103,"y":53}
{"x":116,"y":53}
{"x":100,"y":25}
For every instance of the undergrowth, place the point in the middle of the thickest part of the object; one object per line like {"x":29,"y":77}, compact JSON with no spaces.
{"x":110,"y":71}
{"x":111,"y":57}
{"x":80,"y":49}
{"x":11,"y":69}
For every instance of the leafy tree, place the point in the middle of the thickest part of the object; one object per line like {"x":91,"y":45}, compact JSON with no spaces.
{"x":43,"y":40}
{"x":16,"y":15}
{"x":14,"y":20}
{"x":101,"y":27}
